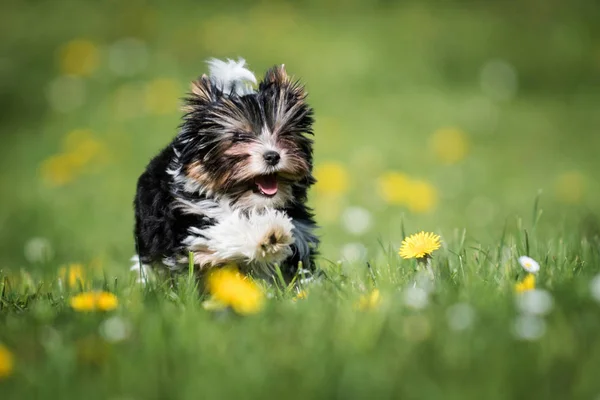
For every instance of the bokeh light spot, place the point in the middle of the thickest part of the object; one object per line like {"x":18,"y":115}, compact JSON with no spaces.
{"x":66,"y":93}
{"x":161,"y":96}
{"x":79,"y":57}
{"x":332,"y":178}
{"x":570,"y":187}
{"x":394,"y":187}
{"x":449,"y":145}
{"x":498,"y":80}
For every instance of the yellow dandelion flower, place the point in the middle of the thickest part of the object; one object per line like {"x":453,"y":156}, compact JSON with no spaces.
{"x":92,"y":301}
{"x":422,"y":197}
{"x":332,"y":178}
{"x":6,"y":362}
{"x":394,"y":187}
{"x":106,"y":301}
{"x":570,"y":187}
{"x":73,"y":276}
{"x":369,"y":301}
{"x":419,"y":245}
{"x":84,"y":302}
{"x":227,"y":286}
{"x":58,"y":170}
{"x":301,"y":295}
{"x":528,"y":283}
{"x":82,"y":147}
{"x":162,"y":96}
{"x":450,"y":145}
{"x":79,"y":57}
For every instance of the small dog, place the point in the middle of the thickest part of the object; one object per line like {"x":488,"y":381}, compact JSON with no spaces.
{"x":232,"y":186}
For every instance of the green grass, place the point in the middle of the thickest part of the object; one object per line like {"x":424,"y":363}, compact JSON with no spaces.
{"x":382,"y":78}
{"x":322,"y":346}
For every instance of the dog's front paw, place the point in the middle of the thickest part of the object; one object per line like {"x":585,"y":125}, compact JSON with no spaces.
{"x":273,"y":236}
{"x":274,"y":246}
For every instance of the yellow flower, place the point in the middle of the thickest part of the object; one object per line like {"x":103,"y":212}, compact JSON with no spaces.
{"x":394,"y":187}
{"x":369,"y":301}
{"x":526,"y":284}
{"x":301,"y":295}
{"x":162,"y":96}
{"x":397,"y":188}
{"x":57,"y":170}
{"x":228,"y":287}
{"x":419,"y":245}
{"x":84,"y":302}
{"x":570,"y":187}
{"x":106,"y":301}
{"x":422,"y":197}
{"x":81,"y":147}
{"x":450,"y":145}
{"x":79,"y":57}
{"x":92,"y":301}
{"x":73,"y":275}
{"x":6,"y":362}
{"x":332,"y":178}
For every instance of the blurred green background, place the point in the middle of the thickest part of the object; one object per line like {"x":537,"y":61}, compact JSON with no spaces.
{"x":441,"y":115}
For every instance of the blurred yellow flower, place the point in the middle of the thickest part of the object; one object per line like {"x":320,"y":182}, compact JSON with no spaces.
{"x":92,"y":301}
{"x":301,"y":295}
{"x":84,"y":302}
{"x":72,"y":275}
{"x":80,"y":148}
{"x":106,"y":301}
{"x":422,"y":197}
{"x":332,"y":178}
{"x":397,"y":188}
{"x":419,"y":245}
{"x":369,"y":301}
{"x":570,"y":187}
{"x":528,"y":283}
{"x":450,"y":145}
{"x":6,"y":362}
{"x":228,"y":287}
{"x":394,"y":187}
{"x":162,"y":96}
{"x":79,"y":57}
{"x":57,"y":170}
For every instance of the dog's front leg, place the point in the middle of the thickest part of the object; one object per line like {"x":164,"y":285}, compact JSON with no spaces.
{"x":263,"y":237}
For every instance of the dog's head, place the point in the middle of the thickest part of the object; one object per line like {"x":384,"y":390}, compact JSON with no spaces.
{"x":249,"y":145}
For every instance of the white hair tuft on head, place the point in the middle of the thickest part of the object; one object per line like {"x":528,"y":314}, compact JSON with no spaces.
{"x":231,"y":76}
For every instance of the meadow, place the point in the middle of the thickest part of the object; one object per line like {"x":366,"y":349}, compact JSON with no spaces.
{"x":477,"y":123}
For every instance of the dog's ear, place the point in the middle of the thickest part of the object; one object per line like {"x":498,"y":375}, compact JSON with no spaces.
{"x":278,"y":77}
{"x":202,"y":92}
{"x":285,"y":104}
{"x":202,"y":89}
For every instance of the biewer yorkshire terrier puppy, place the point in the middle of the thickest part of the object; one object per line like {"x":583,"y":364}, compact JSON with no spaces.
{"x":232,"y":185}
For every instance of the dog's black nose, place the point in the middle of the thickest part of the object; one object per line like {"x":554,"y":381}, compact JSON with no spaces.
{"x":272,"y":157}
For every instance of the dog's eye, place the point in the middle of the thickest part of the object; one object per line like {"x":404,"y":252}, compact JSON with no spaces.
{"x":241,"y":136}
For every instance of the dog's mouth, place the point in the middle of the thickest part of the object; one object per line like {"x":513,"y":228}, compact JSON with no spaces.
{"x":267,"y":185}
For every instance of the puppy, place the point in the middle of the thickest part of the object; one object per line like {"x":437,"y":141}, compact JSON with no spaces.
{"x":232,"y":185}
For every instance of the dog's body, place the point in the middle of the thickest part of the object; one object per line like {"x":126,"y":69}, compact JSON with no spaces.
{"x":232,"y":186}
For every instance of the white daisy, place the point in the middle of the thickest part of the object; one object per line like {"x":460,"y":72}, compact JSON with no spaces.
{"x":529,"y":264}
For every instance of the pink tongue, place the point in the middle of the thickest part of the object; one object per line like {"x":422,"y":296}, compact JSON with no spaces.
{"x":267,"y":184}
